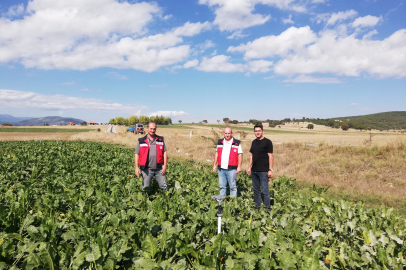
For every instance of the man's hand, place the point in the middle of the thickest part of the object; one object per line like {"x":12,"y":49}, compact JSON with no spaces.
{"x":270,"y":174}
{"x":238,"y":169}
{"x":249,"y":171}
{"x":214,"y":169}
{"x":137,"y":172}
{"x":163,"y":170}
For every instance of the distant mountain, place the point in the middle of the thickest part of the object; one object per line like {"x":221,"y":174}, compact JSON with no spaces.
{"x":6,"y":118}
{"x":51,"y":120}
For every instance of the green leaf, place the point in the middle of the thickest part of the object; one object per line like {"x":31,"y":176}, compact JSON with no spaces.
{"x":45,"y":255}
{"x":150,"y":246}
{"x":15,"y":236}
{"x":94,"y":253}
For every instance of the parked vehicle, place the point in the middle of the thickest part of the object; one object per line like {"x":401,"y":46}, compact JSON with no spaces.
{"x":137,"y":128}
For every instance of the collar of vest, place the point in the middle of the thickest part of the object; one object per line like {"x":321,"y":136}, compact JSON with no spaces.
{"x":157,"y":138}
{"x":235,"y":142}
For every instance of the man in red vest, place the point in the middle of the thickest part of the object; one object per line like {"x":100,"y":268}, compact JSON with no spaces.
{"x":152,"y":157}
{"x":228,"y":159}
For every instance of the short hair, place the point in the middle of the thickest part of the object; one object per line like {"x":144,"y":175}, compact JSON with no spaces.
{"x":151,"y":123}
{"x":258,"y":126}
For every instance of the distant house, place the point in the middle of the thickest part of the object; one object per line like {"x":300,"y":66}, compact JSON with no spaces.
{"x":70,"y":124}
{"x":92,"y":123}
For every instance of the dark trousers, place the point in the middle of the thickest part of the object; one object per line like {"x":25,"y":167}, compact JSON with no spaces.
{"x":260,"y":181}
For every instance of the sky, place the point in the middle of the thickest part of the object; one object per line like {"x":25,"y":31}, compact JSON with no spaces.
{"x":195,"y":60}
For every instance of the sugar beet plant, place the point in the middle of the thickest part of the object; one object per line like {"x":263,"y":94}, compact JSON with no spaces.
{"x":76,"y":205}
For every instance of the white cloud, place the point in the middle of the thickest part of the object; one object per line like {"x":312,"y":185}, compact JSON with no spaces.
{"x":288,"y":20}
{"x":309,"y":79}
{"x":15,"y":11}
{"x":219,"y":63}
{"x":31,"y":100}
{"x":90,"y":34}
{"x":291,"y":39}
{"x":366,"y":21}
{"x":68,"y":83}
{"x":370,"y":34}
{"x":234,"y":15}
{"x":116,"y":75}
{"x":191,"y":63}
{"x":167,"y":17}
{"x":301,"y":51}
{"x":260,"y":66}
{"x":237,"y":35}
{"x":341,"y":16}
{"x":206,"y":45}
{"x":168,"y":113}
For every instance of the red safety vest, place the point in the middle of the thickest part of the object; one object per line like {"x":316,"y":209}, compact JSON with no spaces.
{"x":144,"y":150}
{"x":233,"y":159}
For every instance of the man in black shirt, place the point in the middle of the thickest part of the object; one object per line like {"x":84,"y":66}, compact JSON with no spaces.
{"x":261,"y":166}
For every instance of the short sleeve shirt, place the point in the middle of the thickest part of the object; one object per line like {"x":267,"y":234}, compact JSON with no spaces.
{"x":151,"y":159}
{"x":259,"y":150}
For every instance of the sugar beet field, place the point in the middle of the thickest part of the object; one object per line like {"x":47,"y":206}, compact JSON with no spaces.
{"x":76,"y":205}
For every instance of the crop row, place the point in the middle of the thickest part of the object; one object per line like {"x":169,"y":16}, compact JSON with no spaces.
{"x":76,"y":205}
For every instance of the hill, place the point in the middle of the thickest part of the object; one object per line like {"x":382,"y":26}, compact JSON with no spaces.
{"x":6,"y":118}
{"x":384,"y":121}
{"x":51,"y":120}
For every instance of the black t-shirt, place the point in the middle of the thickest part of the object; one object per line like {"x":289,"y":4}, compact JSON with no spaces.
{"x":260,"y":158}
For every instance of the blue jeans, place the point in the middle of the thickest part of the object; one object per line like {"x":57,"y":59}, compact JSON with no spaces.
{"x":260,"y":181}
{"x":229,"y":176}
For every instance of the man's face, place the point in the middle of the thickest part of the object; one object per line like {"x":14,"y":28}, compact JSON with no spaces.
{"x":258,"y":132}
{"x":227,"y":134}
{"x":151,"y":130}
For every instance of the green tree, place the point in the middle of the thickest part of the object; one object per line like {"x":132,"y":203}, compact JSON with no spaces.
{"x":204,"y":121}
{"x":83,"y":123}
{"x":226,"y":120}
{"x":120,"y":120}
{"x":344,"y":127}
{"x":310,"y":126}
{"x":144,"y":119}
{"x":180,"y":121}
{"x":132,"y":120}
{"x":112,"y":121}
{"x":7,"y":124}
{"x":234,"y":121}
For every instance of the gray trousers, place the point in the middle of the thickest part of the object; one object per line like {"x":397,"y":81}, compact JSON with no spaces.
{"x":147,"y":175}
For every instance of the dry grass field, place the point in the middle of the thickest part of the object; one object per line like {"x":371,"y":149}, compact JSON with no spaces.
{"x":356,"y":165}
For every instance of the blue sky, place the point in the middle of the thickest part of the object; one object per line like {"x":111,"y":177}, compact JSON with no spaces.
{"x":200,"y":60}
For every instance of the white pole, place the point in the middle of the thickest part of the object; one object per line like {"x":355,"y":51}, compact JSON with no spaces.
{"x":191,"y":132}
{"x":219,"y":226}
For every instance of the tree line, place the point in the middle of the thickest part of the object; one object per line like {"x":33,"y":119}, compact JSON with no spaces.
{"x":142,"y":119}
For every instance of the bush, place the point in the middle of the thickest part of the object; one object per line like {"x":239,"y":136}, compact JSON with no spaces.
{"x":7,"y":124}
{"x":310,"y":126}
{"x":344,"y":127}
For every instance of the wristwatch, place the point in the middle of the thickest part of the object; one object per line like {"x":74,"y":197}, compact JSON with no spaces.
{"x":271,"y":170}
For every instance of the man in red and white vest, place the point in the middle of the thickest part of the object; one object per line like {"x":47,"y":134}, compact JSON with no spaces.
{"x":228,"y":159}
{"x":151,"y":156}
